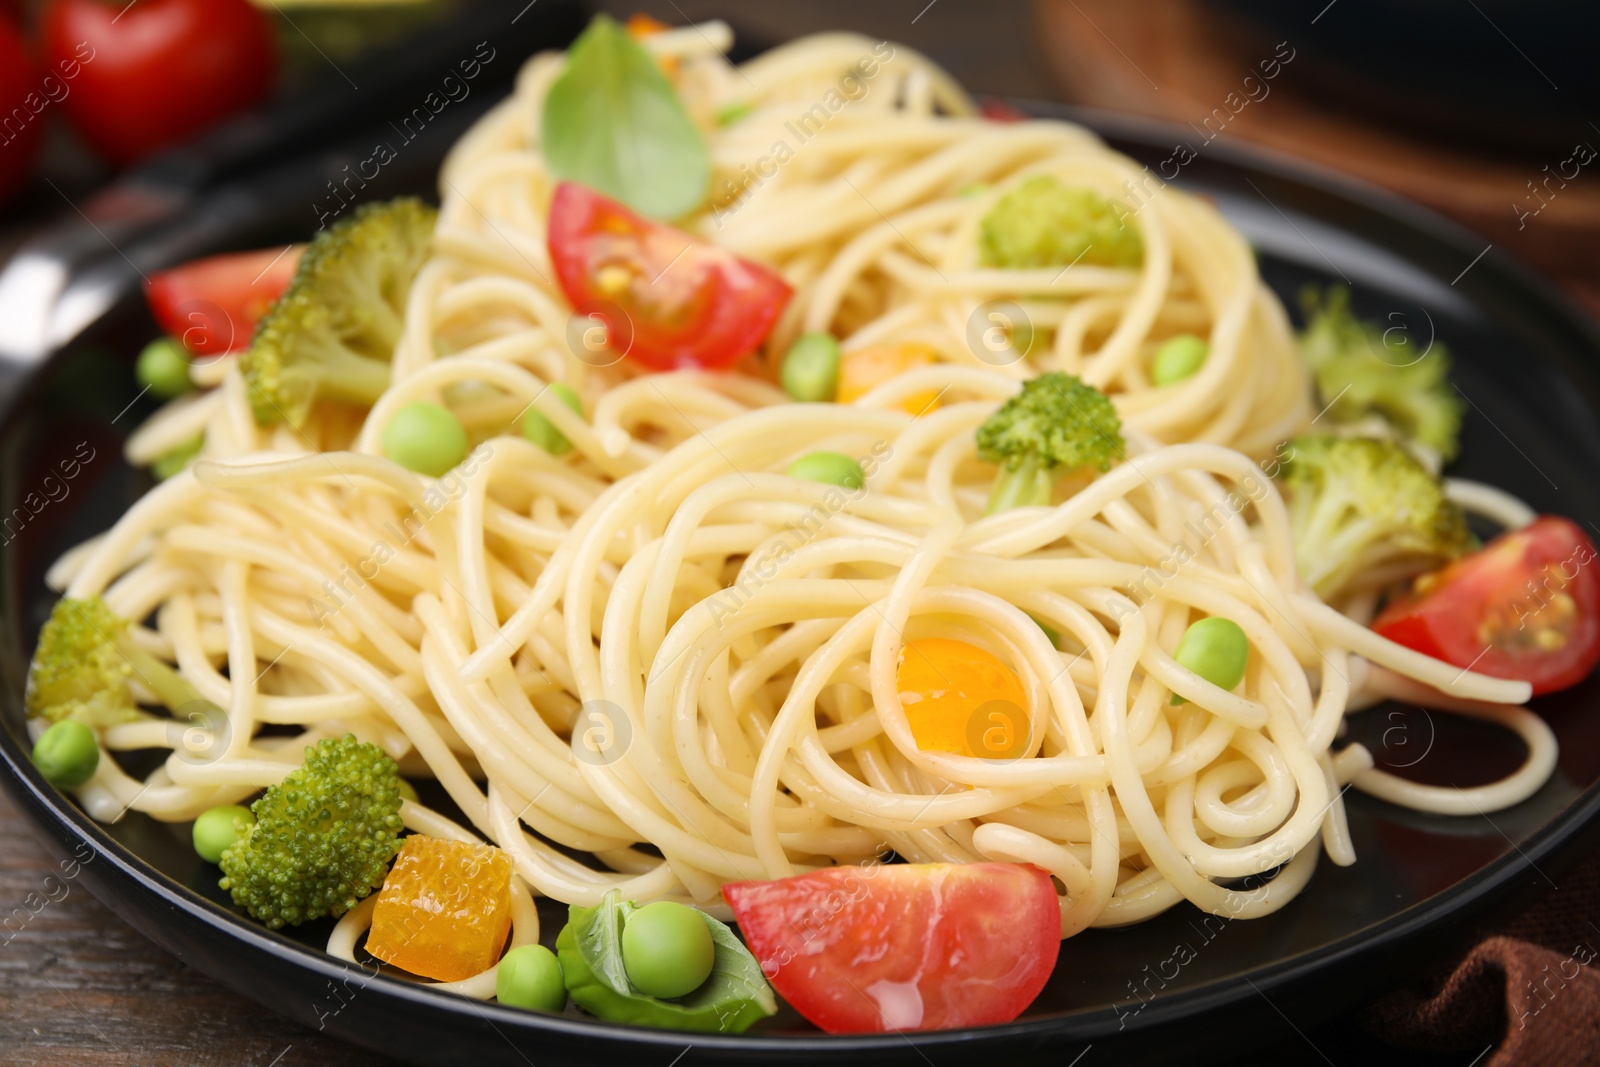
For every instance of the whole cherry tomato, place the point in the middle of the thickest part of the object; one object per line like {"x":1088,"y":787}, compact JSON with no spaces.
{"x":22,"y":103}
{"x":155,"y":71}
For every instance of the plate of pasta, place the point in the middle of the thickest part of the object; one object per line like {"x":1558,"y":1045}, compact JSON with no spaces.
{"x":782,"y":560}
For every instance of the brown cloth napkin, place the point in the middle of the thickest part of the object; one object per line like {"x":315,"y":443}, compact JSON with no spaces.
{"x":1530,"y":986}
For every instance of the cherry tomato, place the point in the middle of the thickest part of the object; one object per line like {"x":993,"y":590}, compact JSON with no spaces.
{"x":1525,"y":606}
{"x":666,"y":299}
{"x":22,"y":98}
{"x":156,"y":71}
{"x":212,"y":305}
{"x":904,"y":947}
{"x":997,"y":110}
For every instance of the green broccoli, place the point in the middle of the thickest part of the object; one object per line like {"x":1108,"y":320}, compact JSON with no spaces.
{"x":1363,"y":509}
{"x":84,"y":663}
{"x":1055,"y":422}
{"x":1360,"y":372}
{"x":1043,"y":223}
{"x":323,"y":838}
{"x":333,"y":332}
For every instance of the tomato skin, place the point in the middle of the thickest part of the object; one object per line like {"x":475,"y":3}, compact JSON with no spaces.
{"x":213,"y":305}
{"x":154,"y":72}
{"x":18,"y":82}
{"x":666,"y":298}
{"x":904,"y":946}
{"x":1491,"y":609}
{"x":996,"y":110}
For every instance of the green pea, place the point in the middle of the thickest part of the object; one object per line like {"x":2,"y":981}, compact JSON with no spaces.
{"x":530,"y":977}
{"x":409,"y":792}
{"x":1178,"y":358}
{"x":1050,"y":632}
{"x":810,"y":370}
{"x":67,"y":754}
{"x":835,"y":468}
{"x":219,"y":829}
{"x":163,"y":368}
{"x":1216,"y":649}
{"x":425,"y":438}
{"x":538,"y":428}
{"x":667,"y":950}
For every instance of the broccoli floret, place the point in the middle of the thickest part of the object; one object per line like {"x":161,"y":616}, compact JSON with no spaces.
{"x":1056,"y":422}
{"x":1365,"y":510}
{"x":84,"y":663}
{"x":332,"y":334}
{"x":1043,"y":223}
{"x":1360,"y":371}
{"x":323,"y":838}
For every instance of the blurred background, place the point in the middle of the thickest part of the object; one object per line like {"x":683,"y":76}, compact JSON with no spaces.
{"x":1483,"y":110}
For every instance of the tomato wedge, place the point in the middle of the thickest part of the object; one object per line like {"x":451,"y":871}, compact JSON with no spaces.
{"x":904,"y":946}
{"x":1525,"y":606}
{"x":212,"y":305}
{"x":666,"y":298}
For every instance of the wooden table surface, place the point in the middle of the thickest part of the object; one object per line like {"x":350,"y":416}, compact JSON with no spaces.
{"x":78,"y":987}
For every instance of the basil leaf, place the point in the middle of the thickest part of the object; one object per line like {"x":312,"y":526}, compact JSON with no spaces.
{"x":590,"y":949}
{"x":613,"y":122}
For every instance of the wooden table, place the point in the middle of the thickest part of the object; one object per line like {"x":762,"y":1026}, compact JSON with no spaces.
{"x":78,"y":987}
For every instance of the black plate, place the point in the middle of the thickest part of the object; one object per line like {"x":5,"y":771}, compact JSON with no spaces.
{"x":1526,"y":361}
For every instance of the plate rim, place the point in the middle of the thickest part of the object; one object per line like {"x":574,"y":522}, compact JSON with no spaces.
{"x":66,"y":824}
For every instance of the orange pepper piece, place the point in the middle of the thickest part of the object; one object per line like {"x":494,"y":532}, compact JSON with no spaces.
{"x":961,"y":699}
{"x":444,"y":912}
{"x":640,"y":26}
{"x":864,"y":369}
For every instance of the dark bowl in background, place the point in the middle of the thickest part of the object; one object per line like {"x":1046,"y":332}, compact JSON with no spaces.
{"x":1515,"y":75}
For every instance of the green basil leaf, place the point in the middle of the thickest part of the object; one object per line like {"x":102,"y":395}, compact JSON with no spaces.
{"x":590,"y":949}
{"x":613,"y":122}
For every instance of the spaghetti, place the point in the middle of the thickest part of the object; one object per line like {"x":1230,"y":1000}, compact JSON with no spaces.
{"x":661,"y":652}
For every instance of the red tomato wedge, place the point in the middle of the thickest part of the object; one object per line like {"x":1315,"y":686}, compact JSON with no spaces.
{"x":1525,"y":606}
{"x":213,"y":305}
{"x":904,"y":946}
{"x":666,"y":298}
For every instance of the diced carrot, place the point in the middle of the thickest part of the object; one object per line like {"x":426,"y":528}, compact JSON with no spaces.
{"x":864,"y":369}
{"x":641,"y":25}
{"x":444,"y":912}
